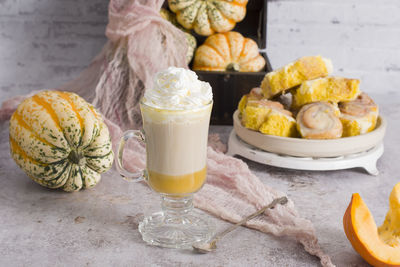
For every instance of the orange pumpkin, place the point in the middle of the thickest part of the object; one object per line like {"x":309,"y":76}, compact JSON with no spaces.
{"x":228,"y":51}
{"x":378,"y":247}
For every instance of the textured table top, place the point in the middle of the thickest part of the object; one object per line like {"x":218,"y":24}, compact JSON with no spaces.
{"x":98,"y":227}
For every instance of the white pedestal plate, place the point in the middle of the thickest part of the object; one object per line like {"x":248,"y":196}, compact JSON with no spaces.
{"x":366,"y":159}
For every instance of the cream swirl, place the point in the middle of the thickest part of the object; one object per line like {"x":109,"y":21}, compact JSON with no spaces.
{"x":178,"y":89}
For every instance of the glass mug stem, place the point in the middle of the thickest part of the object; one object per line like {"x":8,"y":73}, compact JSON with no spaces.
{"x":177,"y":206}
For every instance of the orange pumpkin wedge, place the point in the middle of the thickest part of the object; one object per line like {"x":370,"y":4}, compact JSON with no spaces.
{"x":378,"y":248}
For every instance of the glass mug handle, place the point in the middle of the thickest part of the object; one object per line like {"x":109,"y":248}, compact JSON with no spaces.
{"x":127,"y":175}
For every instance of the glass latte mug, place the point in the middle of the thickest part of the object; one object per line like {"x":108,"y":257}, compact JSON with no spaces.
{"x":176,"y":153}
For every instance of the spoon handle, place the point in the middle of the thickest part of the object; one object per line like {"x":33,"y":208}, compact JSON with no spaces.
{"x":281,"y":200}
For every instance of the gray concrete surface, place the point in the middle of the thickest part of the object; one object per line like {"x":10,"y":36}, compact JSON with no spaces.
{"x":44,"y":43}
{"x":98,"y":227}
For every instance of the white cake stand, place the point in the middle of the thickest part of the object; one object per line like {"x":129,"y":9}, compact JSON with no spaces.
{"x":366,"y":159}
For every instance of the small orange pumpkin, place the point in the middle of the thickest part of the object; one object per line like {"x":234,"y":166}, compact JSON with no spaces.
{"x":378,"y":247}
{"x":228,"y":51}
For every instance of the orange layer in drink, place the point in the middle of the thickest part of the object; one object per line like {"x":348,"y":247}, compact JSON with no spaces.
{"x":177,"y":184}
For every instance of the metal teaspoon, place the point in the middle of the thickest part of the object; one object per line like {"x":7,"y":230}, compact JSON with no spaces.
{"x":212,"y":244}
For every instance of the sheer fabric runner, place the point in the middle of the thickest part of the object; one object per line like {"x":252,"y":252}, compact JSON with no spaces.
{"x":140,"y":44}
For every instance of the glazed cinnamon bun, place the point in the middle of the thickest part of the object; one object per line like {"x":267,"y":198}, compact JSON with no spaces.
{"x":319,"y":120}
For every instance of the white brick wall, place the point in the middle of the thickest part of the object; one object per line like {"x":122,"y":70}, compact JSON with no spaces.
{"x":362,"y":37}
{"x":44,"y":43}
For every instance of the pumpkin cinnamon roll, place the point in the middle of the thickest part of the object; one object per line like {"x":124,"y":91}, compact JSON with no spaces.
{"x":358,"y":116}
{"x":256,"y":112}
{"x":293,"y":74}
{"x":255,"y":94}
{"x":279,"y":122}
{"x":269,"y":117}
{"x":332,"y":89}
{"x":319,"y":120}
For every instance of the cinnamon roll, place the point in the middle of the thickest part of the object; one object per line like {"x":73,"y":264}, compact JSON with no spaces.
{"x":319,"y":120}
{"x":293,"y":74}
{"x":333,"y":89}
{"x":358,"y":116}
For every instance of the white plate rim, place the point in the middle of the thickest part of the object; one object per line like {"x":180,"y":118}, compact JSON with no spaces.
{"x":317,"y":148}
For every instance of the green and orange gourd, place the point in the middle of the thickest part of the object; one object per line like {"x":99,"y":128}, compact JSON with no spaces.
{"x":206,"y":17}
{"x":60,"y":141}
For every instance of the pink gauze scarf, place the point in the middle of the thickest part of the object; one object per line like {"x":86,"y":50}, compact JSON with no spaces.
{"x":141,"y":43}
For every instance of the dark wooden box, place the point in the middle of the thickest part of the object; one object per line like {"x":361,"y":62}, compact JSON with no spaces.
{"x":229,"y":87}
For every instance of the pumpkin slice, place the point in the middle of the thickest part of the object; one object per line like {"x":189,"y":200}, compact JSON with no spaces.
{"x":389,"y":231}
{"x":377,"y":248}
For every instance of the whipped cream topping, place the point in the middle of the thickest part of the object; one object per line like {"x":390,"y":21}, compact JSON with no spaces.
{"x":178,"y":89}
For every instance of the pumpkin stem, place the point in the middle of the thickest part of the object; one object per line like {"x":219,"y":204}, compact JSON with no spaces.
{"x":75,"y":157}
{"x":233,"y":67}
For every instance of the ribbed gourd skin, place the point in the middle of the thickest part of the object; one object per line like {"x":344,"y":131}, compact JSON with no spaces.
{"x":228,"y":51}
{"x":207,"y":17}
{"x":60,"y":141}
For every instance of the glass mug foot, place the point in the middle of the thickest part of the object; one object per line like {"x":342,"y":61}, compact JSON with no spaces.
{"x":177,"y":225}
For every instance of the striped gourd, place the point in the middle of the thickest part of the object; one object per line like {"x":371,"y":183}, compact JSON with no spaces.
{"x":208,"y":16}
{"x":60,"y":141}
{"x":190,"y":39}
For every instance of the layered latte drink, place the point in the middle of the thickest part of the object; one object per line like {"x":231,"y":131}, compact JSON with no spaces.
{"x":176,"y":115}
